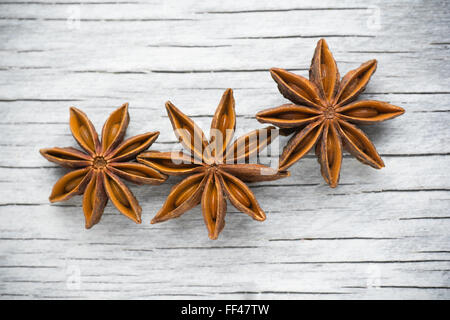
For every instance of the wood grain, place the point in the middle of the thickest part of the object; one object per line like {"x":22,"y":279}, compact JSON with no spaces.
{"x":380,"y":234}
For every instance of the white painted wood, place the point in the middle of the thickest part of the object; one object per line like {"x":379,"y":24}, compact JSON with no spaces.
{"x":380,"y":234}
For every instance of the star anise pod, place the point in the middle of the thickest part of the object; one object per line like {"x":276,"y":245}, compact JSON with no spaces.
{"x":216,"y":167}
{"x":323,"y":111}
{"x":98,"y":170}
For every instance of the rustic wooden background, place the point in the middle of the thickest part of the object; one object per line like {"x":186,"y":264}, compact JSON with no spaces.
{"x":380,"y":234}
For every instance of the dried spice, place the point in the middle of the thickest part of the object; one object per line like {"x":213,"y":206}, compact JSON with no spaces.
{"x":216,"y":167}
{"x":323,"y":111}
{"x":98,"y":170}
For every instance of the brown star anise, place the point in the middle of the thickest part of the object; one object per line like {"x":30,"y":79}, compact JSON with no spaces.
{"x":99,"y":168}
{"x":216,"y":168}
{"x":323,"y":113}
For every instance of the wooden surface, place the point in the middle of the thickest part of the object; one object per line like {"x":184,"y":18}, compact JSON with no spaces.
{"x":380,"y":234}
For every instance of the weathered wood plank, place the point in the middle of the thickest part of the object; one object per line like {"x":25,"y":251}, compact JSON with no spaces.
{"x":380,"y":234}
